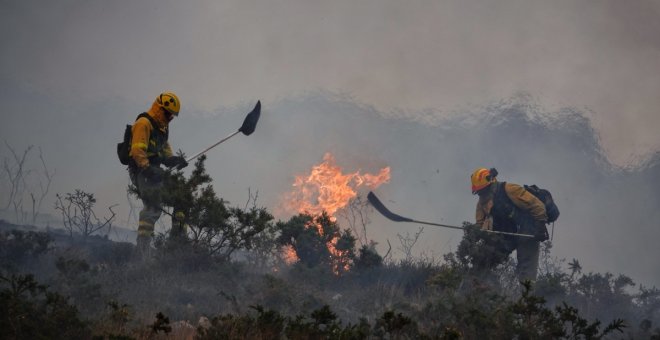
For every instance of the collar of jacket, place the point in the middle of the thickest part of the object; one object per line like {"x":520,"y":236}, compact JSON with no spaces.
{"x":488,"y":195}
{"x":489,"y":192}
{"x":486,"y":201}
{"x":158,"y":115}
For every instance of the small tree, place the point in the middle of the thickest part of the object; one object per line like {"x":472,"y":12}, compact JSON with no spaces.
{"x":201,"y":217}
{"x":78,"y":214}
{"x":318,"y":241}
{"x":408,"y":243}
{"x":368,"y":257}
{"x":483,"y":251}
{"x":356,"y":214}
{"x":265,"y":252}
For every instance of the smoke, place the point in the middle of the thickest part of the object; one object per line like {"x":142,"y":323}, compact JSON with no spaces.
{"x":607,"y":212}
{"x":392,"y":54}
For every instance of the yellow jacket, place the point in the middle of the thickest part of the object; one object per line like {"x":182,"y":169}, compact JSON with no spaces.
{"x":144,"y":144}
{"x":520,"y":197}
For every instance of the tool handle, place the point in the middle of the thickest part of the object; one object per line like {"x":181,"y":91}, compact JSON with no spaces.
{"x":456,"y":227}
{"x":211,"y":147}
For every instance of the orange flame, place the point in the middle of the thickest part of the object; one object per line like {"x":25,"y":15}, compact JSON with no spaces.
{"x":290,"y":256}
{"x":327,"y":189}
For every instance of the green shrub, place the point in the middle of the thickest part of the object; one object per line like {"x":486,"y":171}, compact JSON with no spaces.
{"x":17,"y":247}
{"x":28,"y":310}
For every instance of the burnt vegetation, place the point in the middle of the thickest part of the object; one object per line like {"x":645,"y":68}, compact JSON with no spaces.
{"x":221,"y":273}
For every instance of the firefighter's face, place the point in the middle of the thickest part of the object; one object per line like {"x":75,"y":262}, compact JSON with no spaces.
{"x":168,"y":115}
{"x":485,"y":191}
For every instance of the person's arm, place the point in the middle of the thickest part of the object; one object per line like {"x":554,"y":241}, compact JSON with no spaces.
{"x":480,"y":216}
{"x":140,"y":142}
{"x":170,"y":160}
{"x":483,"y":218}
{"x":167,"y":150}
{"x":523,"y":199}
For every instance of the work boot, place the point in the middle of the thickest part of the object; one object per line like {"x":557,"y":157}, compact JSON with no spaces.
{"x":143,"y":247}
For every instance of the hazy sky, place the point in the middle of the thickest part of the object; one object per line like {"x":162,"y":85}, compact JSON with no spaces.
{"x":436,"y":56}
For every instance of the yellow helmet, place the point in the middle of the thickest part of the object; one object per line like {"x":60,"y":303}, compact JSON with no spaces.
{"x":482,"y":178}
{"x":169,"y":102}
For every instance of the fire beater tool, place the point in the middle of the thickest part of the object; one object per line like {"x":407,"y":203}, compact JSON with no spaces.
{"x":378,"y":205}
{"x":249,"y":124}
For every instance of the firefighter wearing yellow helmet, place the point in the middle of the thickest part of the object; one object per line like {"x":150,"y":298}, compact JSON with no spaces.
{"x":510,"y":208}
{"x":148,"y":150}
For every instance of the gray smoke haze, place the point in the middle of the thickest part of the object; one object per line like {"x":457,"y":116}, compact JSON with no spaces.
{"x":432,"y":56}
{"x":427,"y":88}
{"x":609,"y":216}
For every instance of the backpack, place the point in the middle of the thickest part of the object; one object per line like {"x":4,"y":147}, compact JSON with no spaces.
{"x":124,"y":148}
{"x":544,"y":195}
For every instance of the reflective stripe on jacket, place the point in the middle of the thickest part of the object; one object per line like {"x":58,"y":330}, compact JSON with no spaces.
{"x":148,"y":144}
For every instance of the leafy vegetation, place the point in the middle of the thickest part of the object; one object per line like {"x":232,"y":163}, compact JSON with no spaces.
{"x":223,"y":275}
{"x":29,"y":310}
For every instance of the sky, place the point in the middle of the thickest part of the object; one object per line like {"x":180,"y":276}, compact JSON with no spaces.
{"x":436,"y":56}
{"x":72,"y":73}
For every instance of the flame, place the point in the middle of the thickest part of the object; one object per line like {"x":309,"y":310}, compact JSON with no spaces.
{"x":290,"y":256}
{"x":327,"y":188}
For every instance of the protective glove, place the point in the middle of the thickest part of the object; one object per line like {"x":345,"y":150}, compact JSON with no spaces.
{"x":540,"y":231}
{"x":176,"y":161}
{"x":488,"y":223}
{"x":153,"y":173}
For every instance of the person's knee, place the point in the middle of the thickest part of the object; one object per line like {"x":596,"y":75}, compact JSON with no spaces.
{"x":145,"y":226}
{"x":145,"y":232}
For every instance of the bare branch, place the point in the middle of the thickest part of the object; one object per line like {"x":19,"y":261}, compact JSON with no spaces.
{"x":356,"y":214}
{"x":389,"y":250}
{"x":16,"y":175}
{"x":78,"y":214}
{"x":408,"y":243}
{"x":36,"y":203}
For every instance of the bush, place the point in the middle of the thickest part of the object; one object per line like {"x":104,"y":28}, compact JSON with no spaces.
{"x":321,"y":323}
{"x":318,"y":241}
{"x":17,"y":246}
{"x":203,"y":218}
{"x":28,"y":310}
{"x":367,"y":258}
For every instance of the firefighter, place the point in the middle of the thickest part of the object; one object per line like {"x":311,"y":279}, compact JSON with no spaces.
{"x":149,"y":149}
{"x":510,"y":208}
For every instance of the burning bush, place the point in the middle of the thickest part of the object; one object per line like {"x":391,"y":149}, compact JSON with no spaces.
{"x":318,"y":241}
{"x":318,"y":197}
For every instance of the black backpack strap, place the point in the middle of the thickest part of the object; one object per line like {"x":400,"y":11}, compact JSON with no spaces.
{"x":145,"y":115}
{"x":504,"y":212}
{"x":154,"y":125}
{"x":500,"y":193}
